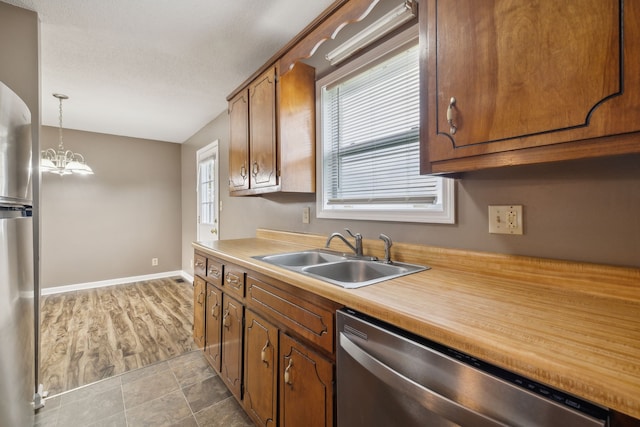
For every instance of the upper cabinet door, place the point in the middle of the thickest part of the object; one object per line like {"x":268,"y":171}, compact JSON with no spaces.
{"x":505,"y":75}
{"x":262,"y":111}
{"x":239,"y":142}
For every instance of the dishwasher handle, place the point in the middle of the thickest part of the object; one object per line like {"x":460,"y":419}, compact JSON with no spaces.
{"x":435,"y":402}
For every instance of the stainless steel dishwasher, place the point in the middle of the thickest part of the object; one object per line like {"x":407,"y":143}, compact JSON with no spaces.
{"x":389,"y":377}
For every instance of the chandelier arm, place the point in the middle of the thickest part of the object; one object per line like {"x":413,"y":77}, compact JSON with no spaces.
{"x":50,"y":154}
{"x":78,"y":157}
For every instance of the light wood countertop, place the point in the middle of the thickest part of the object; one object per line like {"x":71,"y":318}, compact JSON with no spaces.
{"x":572,"y":326}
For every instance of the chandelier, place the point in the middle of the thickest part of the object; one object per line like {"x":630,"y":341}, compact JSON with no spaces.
{"x":61,"y":161}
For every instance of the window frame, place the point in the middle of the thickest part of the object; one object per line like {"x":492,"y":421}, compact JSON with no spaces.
{"x":443,"y":214}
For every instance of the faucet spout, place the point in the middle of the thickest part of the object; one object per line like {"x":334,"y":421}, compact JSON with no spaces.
{"x":358,"y":238}
{"x":357,"y":249}
{"x":387,"y":248}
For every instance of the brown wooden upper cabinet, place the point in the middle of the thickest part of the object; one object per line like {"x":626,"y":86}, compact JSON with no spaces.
{"x":239,"y":142}
{"x":272,"y":133}
{"x":262,"y":130}
{"x":514,"y":82}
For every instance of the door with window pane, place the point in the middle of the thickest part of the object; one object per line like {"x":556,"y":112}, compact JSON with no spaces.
{"x":208,"y":193}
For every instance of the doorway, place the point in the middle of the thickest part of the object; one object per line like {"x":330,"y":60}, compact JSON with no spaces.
{"x":208,"y":227}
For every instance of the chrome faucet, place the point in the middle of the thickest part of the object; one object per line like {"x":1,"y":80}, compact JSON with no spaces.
{"x":357,"y":249}
{"x":387,"y":248}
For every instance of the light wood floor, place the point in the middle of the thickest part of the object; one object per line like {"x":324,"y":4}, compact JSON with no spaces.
{"x":94,"y":334}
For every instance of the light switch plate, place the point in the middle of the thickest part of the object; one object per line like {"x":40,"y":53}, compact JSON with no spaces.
{"x":506,"y":219}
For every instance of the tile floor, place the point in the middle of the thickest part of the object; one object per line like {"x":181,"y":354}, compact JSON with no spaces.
{"x":181,"y":392}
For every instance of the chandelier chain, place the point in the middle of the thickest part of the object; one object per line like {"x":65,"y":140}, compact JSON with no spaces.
{"x":60,"y":145}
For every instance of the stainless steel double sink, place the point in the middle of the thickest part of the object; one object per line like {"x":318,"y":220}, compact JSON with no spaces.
{"x":345,"y":270}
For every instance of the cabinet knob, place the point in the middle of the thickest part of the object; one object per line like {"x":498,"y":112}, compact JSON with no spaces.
{"x":450,"y":116}
{"x":214,"y":272}
{"x":287,"y":373}
{"x":200,"y":299}
{"x":255,"y":169}
{"x":243,"y":171}
{"x":232,"y":279}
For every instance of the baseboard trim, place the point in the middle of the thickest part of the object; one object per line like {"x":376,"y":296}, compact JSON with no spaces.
{"x":186,"y":276}
{"x":111,"y":282}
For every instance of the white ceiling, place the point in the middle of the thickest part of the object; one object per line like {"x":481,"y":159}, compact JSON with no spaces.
{"x":156,"y":69}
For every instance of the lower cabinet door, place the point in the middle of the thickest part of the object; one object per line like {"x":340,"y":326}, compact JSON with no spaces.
{"x":231,"y":372}
{"x":199,"y":297}
{"x":306,"y":386}
{"x":260,"y":370}
{"x":213,"y":321}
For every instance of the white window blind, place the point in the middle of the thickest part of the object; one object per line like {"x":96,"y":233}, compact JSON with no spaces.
{"x":370,"y":137}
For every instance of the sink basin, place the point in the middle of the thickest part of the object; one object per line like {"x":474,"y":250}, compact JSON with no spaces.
{"x":343,"y":270}
{"x":302,"y":259}
{"x":357,"y":273}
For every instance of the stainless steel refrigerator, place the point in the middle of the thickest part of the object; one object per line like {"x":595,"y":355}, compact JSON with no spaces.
{"x":18,"y":294}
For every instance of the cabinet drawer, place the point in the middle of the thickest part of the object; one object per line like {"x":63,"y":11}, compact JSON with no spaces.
{"x":306,"y":319}
{"x":199,"y":265}
{"x":233,"y":280}
{"x":214,"y":272}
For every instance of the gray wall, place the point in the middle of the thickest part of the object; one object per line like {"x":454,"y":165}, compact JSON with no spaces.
{"x":587,"y":210}
{"x":20,"y":53}
{"x":20,"y":70}
{"x":109,"y":225}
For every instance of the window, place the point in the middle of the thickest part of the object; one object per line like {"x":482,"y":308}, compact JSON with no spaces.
{"x":207,"y":192}
{"x":370,"y":140}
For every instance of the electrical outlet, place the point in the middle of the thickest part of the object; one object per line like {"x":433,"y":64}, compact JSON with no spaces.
{"x":505,"y":219}
{"x":306,"y":213}
{"x":154,"y":262}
